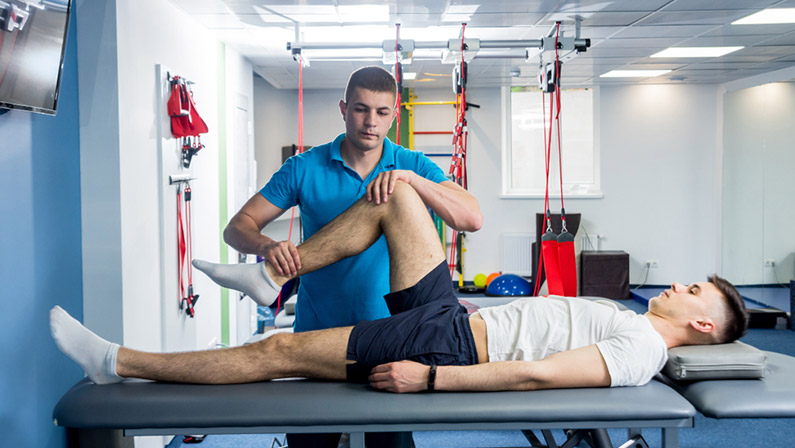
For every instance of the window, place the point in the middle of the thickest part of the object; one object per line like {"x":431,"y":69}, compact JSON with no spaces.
{"x":523,"y":145}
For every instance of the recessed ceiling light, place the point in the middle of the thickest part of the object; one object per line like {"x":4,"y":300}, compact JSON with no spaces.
{"x":694,"y":52}
{"x":633,"y":73}
{"x":768,"y":16}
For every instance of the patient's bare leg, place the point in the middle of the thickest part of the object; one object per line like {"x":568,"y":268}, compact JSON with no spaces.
{"x":414,"y":251}
{"x":414,"y":246}
{"x":313,"y":354}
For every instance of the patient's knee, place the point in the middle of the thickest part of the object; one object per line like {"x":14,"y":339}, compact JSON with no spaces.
{"x":404,"y":193}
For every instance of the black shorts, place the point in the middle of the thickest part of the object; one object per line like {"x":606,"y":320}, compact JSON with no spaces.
{"x":428,"y":326}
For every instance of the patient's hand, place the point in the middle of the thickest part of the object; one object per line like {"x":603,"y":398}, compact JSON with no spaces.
{"x":401,"y":376}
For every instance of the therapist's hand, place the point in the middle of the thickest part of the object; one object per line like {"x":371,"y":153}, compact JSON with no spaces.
{"x":283,"y":256}
{"x":401,"y":376}
{"x":384,"y":184}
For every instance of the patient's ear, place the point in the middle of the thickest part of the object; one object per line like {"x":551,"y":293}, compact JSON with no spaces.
{"x":703,"y":325}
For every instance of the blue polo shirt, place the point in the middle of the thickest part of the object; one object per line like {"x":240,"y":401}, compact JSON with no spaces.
{"x":323,"y":186}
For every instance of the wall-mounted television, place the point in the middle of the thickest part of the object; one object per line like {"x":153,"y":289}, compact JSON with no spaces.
{"x":32,"y":43}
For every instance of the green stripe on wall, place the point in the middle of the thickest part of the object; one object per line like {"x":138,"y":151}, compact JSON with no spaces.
{"x":404,"y":123}
{"x":223,"y":214}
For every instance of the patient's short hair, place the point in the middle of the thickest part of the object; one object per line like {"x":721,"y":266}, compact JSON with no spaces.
{"x":736,"y":316}
{"x":372,"y":78}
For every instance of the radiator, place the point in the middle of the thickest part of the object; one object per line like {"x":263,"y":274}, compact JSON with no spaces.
{"x":517,"y":253}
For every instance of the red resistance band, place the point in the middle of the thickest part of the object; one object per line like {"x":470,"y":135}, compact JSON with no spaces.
{"x":557,"y":251}
{"x":458,"y":163}
{"x":187,"y":298}
{"x":298,"y":150}
{"x":399,"y":80}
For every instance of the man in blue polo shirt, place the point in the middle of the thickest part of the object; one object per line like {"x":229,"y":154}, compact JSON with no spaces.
{"x":328,"y":179}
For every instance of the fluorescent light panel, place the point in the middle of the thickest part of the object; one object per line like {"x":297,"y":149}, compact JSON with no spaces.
{"x":768,"y":16}
{"x":634,"y":73}
{"x":364,"y":13}
{"x":330,"y":13}
{"x":408,"y":76}
{"x":695,"y":52}
{"x":353,"y":54}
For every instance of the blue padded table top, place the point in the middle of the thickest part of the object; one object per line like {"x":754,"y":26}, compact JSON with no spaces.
{"x":295,"y":404}
{"x":770,"y":397}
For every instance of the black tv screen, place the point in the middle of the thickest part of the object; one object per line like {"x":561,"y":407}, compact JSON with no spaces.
{"x":32,"y":42}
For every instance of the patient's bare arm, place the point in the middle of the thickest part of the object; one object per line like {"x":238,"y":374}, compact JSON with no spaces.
{"x":582,"y":367}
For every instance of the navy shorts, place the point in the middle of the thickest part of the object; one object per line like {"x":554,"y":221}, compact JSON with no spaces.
{"x":428,"y":326}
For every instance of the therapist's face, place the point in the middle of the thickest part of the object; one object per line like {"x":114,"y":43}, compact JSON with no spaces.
{"x":368,"y":116}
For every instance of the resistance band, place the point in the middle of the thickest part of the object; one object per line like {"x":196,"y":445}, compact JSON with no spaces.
{"x":557,"y":251}
{"x":458,"y":169}
{"x":298,"y":150}
{"x":399,"y":79}
{"x":187,"y":298}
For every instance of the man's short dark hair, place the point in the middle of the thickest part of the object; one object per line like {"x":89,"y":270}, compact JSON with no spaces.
{"x":372,"y":78}
{"x":736,"y":322}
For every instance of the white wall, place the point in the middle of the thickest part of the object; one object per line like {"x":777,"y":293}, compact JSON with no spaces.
{"x":125,"y":201}
{"x":658,"y":166}
{"x":758,"y":184}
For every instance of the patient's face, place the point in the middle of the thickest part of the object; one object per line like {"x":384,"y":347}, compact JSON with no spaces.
{"x":686,"y":300}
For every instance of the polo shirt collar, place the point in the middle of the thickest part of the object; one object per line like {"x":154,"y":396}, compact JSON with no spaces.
{"x":387,"y":161}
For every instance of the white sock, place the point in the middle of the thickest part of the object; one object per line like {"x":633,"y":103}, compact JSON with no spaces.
{"x":249,"y":278}
{"x":95,"y":355}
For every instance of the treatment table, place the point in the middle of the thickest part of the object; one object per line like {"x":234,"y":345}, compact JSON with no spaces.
{"x":100,"y":416}
{"x":97,"y":415}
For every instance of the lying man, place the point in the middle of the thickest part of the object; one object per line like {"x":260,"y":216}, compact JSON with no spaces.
{"x":430,"y":343}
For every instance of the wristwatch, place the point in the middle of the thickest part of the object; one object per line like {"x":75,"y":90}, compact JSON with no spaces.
{"x":432,"y":377}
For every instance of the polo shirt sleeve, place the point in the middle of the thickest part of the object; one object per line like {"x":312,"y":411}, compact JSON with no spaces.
{"x":422,"y":165}
{"x":281,"y":189}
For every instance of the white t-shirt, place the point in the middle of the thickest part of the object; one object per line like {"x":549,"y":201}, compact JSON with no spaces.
{"x":533,"y":328}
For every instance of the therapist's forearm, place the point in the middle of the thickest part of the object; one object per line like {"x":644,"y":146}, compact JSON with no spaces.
{"x":243,"y":235}
{"x":456,"y":206}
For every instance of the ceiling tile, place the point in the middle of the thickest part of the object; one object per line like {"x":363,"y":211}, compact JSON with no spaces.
{"x":750,"y":30}
{"x":723,"y":41}
{"x":787,"y":39}
{"x":717,"y":17}
{"x":640,"y":31}
{"x":201,"y":6}
{"x":655,"y":43}
{"x":712,"y":5}
{"x":614,"y":18}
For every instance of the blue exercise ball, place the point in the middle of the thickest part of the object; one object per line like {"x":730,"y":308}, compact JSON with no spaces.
{"x":509,"y":285}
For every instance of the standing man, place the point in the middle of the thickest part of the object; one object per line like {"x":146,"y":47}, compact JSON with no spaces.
{"x":327,"y":180}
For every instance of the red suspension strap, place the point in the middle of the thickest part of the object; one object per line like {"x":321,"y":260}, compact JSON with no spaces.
{"x":399,"y":80}
{"x":458,"y":163}
{"x":298,"y":150}
{"x":557,"y":251}
{"x":187,"y":298}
